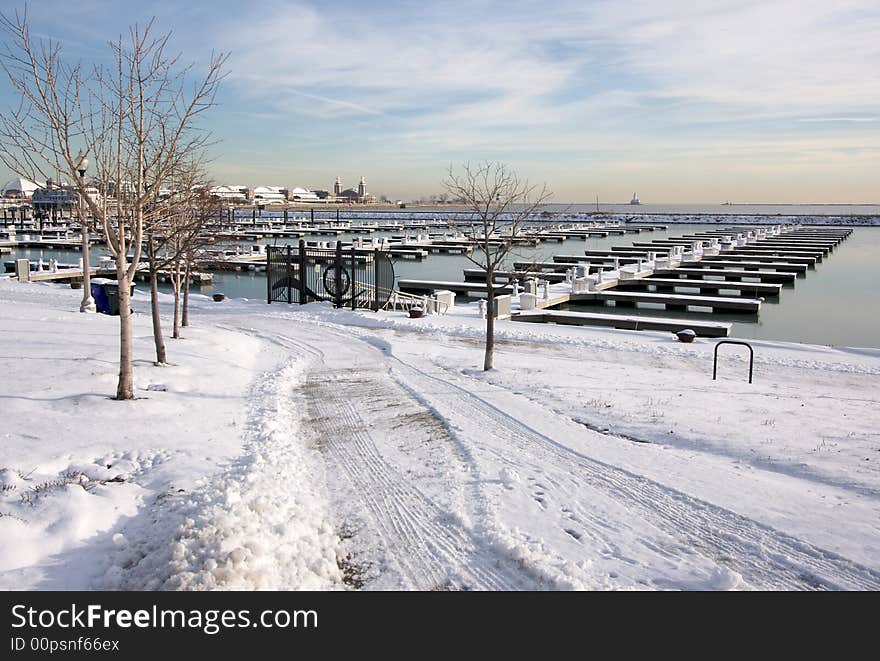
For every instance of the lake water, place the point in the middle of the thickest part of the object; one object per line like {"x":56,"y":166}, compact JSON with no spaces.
{"x":678,"y":209}
{"x":837,"y":303}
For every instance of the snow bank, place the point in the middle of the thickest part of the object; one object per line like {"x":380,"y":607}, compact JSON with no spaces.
{"x":83,"y":477}
{"x":261,"y":525}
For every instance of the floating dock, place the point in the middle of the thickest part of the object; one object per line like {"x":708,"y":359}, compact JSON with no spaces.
{"x":682,"y":301}
{"x":730,"y":274}
{"x":670,"y":284}
{"x":626,"y":322}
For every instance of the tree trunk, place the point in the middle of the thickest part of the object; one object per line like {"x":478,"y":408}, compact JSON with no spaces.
{"x":158,"y":340}
{"x":490,"y":319}
{"x":175,"y":282}
{"x":185,"y":320}
{"x":125,"y":387}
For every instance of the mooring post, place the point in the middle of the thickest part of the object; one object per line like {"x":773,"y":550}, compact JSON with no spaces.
{"x":337,"y":216}
{"x":303,"y":292}
{"x":312,"y":212}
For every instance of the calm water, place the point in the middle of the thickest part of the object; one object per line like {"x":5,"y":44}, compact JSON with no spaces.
{"x":737,"y":209}
{"x":838,"y":303}
{"x":701,"y":209}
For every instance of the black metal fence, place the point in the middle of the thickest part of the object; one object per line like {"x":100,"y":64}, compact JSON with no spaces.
{"x":352,"y":277}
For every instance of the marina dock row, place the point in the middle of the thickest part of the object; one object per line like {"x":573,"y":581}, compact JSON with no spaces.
{"x":729,"y":270}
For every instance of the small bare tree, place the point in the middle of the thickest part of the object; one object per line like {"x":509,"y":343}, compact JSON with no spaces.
{"x":498,"y":205}
{"x":173,"y":234}
{"x":135,"y":120}
{"x":204,"y":208}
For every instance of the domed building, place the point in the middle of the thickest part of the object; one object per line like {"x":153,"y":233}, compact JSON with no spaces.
{"x":19,"y":189}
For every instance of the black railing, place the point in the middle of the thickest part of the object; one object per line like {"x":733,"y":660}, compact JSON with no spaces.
{"x":745,"y":344}
{"x":349,"y":277}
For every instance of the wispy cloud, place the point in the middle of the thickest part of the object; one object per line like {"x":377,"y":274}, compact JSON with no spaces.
{"x":575,"y":85}
{"x":857,"y":120}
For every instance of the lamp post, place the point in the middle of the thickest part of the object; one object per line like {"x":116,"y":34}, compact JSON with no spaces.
{"x":88,"y":303}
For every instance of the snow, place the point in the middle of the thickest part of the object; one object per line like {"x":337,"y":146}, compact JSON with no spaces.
{"x":302,"y":447}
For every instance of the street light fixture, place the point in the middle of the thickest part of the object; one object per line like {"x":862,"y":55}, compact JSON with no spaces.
{"x":88,"y":303}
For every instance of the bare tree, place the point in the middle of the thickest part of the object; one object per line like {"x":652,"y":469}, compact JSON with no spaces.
{"x":135,"y":120}
{"x":498,"y":204}
{"x":193,"y":208}
{"x":173,"y":235}
{"x":205,"y":207}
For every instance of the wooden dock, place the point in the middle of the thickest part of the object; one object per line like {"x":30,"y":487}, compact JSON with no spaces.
{"x":730,"y":274}
{"x":479,"y":275}
{"x":430,"y":286}
{"x":670,"y":284}
{"x":737,"y":257}
{"x":626,"y":322}
{"x":682,"y":301}
{"x":747,"y":265}
{"x":63,"y":275}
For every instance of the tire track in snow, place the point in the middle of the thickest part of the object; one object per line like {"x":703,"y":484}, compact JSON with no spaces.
{"x":428,"y":547}
{"x":431,"y":550}
{"x":764,"y":557}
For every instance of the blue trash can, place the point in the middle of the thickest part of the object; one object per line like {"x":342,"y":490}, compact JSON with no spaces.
{"x":111,"y":292}
{"x":102,"y":304}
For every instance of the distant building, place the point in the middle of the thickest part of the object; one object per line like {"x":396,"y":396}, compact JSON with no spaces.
{"x":125,"y":189}
{"x":268,"y":195}
{"x":337,"y":187}
{"x":229,"y":193}
{"x":302,"y":195}
{"x":351,"y":196}
{"x":19,"y":189}
{"x":54,"y":197}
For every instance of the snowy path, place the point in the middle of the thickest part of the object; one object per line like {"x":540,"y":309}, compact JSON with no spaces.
{"x":417,"y":541}
{"x":611,"y":517}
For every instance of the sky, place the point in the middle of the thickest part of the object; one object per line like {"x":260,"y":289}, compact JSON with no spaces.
{"x":679,"y":101}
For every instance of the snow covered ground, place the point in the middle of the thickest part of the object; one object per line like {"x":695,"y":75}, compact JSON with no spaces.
{"x":310,"y":448}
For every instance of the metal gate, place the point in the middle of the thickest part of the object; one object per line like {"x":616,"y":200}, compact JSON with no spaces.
{"x":351,"y":277}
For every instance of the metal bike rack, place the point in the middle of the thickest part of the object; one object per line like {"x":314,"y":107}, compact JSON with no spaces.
{"x":745,"y":344}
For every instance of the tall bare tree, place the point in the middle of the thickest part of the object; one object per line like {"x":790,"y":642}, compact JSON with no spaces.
{"x":136,"y":120}
{"x":498,"y":205}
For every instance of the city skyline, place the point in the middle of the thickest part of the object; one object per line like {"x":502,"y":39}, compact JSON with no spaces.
{"x":740,"y":101}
